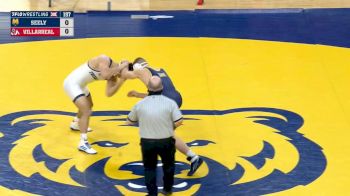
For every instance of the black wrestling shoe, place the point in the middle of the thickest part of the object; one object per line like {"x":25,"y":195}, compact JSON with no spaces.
{"x":194,"y":166}
{"x":167,"y":193}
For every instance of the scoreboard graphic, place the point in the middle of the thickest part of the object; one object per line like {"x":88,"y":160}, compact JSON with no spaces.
{"x":42,"y":23}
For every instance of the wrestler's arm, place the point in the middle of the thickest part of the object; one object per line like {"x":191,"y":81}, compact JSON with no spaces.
{"x":133,"y":93}
{"x":113,"y":85}
{"x":106,"y":72}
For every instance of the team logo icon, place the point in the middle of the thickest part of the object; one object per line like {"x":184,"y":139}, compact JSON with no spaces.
{"x":246,"y":151}
{"x":14,"y":32}
{"x":15,"y":21}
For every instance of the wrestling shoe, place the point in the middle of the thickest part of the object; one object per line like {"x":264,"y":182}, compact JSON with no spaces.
{"x":196,"y":162}
{"x":85,"y":147}
{"x":74,"y":126}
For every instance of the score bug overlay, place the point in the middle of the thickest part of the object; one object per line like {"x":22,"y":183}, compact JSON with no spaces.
{"x":42,"y":23}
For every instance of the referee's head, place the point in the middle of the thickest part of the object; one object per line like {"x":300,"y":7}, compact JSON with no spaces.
{"x":155,"y":84}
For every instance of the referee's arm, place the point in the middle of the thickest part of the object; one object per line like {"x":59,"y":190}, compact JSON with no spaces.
{"x":178,"y":123}
{"x":132,"y":117}
{"x":130,"y":122}
{"x":176,"y":115}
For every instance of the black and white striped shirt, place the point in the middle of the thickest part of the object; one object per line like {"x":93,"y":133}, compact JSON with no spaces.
{"x":156,"y":115}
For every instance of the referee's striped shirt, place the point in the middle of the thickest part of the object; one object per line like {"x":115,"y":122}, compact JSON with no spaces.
{"x":156,"y":115}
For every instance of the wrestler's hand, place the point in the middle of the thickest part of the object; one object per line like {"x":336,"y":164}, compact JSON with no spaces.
{"x":123,"y":64}
{"x":132,"y":93}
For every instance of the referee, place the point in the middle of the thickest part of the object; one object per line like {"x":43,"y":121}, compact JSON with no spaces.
{"x":157,"y":116}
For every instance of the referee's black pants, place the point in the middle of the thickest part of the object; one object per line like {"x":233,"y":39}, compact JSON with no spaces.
{"x":165,"y":148}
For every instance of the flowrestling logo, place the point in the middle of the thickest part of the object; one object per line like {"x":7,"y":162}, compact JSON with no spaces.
{"x":246,"y":151}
